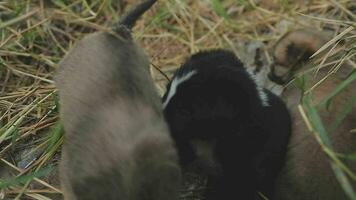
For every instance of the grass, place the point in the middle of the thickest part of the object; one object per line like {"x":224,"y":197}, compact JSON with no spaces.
{"x":36,"y":34}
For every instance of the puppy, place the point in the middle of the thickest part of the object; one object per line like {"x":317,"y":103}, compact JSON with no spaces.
{"x":212,"y":100}
{"x":308,"y":173}
{"x":117,"y":144}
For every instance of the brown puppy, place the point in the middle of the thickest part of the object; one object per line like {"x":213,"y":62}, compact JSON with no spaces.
{"x":117,"y":145}
{"x":307,"y":173}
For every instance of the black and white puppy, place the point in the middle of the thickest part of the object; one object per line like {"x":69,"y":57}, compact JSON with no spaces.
{"x":212,"y":98}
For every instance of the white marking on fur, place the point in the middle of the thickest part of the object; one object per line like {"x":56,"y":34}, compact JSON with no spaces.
{"x":261,"y":93}
{"x":176,"y":81}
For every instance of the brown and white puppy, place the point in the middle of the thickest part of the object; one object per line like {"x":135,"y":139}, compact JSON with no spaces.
{"x":117,"y":145}
{"x":307,"y":173}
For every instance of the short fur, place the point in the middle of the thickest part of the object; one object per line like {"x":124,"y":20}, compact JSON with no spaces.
{"x":117,"y":145}
{"x":132,"y":16}
{"x":221,"y":104}
{"x":297,"y":46}
{"x":307,"y":173}
{"x":293,"y":50}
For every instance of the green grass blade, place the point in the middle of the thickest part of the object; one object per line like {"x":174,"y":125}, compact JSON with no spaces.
{"x":342,"y":115}
{"x":326,"y":101}
{"x":55,"y":134}
{"x":219,"y":8}
{"x":351,"y":156}
{"x":24,"y":178}
{"x":344,"y":182}
{"x":316,"y":121}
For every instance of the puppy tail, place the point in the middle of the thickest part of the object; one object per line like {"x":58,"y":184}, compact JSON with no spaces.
{"x":129,"y":20}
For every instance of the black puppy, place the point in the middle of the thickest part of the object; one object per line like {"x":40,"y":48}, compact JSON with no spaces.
{"x":213,"y":99}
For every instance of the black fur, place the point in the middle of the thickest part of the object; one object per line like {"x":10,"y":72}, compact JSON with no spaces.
{"x":221,"y":102}
{"x":269,"y":162}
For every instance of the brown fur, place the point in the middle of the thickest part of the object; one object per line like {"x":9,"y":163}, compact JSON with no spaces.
{"x":293,"y":50}
{"x":308,"y":40}
{"x":307,"y":173}
{"x":117,"y":145}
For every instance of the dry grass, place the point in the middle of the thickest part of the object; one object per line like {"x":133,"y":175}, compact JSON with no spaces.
{"x":35,"y":34}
